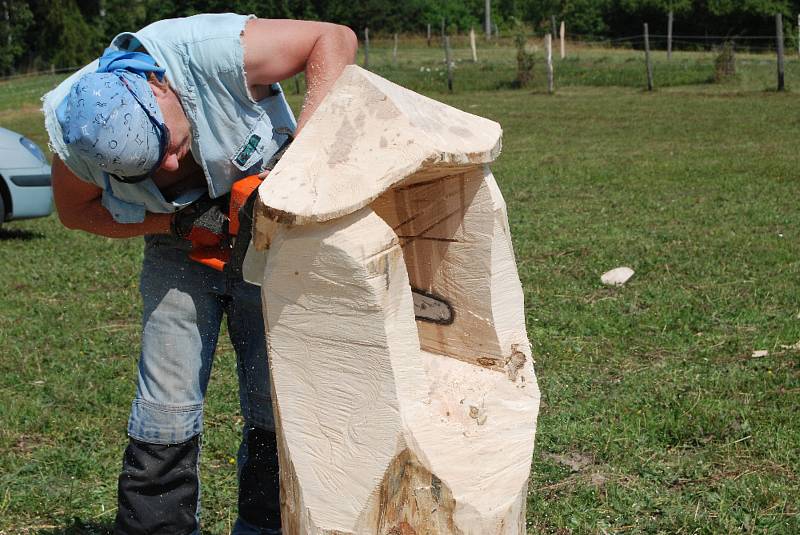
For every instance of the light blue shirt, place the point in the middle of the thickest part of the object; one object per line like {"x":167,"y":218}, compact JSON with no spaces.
{"x":233,"y":135}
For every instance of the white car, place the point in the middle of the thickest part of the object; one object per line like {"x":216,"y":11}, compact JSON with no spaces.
{"x":25,"y":190}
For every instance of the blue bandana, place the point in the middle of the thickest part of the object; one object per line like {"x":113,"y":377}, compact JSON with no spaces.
{"x":112,"y":119}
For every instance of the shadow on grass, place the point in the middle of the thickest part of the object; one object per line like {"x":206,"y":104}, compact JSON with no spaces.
{"x":7,"y":234}
{"x":79,"y":527}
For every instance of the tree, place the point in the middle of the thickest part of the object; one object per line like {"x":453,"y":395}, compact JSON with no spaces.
{"x":16,"y":19}
{"x":62,"y":35}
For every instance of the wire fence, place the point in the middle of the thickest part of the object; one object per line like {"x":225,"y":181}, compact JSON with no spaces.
{"x":679,"y":59}
{"x":418,"y":61}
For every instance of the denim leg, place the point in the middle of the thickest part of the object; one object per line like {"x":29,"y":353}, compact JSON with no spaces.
{"x":182,"y":315}
{"x":259,"y":489}
{"x":246,"y":328}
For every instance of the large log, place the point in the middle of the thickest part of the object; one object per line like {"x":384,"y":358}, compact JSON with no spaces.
{"x":392,"y":421}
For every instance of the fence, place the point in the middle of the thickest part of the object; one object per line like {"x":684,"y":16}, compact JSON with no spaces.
{"x":421,"y":61}
{"x":689,"y":59}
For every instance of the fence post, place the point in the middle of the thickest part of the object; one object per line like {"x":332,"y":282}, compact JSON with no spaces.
{"x":548,"y":47}
{"x":647,"y":58}
{"x":394,"y":51}
{"x":472,"y":45}
{"x":553,"y":27}
{"x":669,"y":35}
{"x":429,"y":35}
{"x":562,"y":32}
{"x":487,"y":22}
{"x":296,"y":84}
{"x":366,"y":48}
{"x":447,"y":60}
{"x":779,"y":42}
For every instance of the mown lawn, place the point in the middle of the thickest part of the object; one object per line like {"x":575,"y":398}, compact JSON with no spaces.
{"x":656,"y":416}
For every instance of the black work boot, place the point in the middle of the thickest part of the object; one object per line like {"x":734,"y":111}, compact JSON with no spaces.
{"x":259,"y":483}
{"x":158,"y":489}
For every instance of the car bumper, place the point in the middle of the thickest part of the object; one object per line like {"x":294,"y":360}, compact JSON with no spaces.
{"x":30,"y":191}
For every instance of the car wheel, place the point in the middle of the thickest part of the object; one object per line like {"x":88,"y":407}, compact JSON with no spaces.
{"x":2,"y":211}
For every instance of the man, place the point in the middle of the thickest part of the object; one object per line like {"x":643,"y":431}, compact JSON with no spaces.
{"x":147,"y":140}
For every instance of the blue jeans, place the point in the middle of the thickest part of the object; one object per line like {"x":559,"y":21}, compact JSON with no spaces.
{"x":184,"y":303}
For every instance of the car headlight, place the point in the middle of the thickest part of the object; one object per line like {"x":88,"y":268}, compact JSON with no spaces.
{"x":33,"y":148}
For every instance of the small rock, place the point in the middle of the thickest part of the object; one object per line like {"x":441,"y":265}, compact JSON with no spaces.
{"x":598,"y":480}
{"x":617,"y":277}
{"x":757,"y":354}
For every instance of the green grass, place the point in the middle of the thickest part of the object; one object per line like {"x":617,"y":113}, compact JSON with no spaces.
{"x":655,"y":417}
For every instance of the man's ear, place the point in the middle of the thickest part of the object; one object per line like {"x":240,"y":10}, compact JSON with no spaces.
{"x":160,"y":89}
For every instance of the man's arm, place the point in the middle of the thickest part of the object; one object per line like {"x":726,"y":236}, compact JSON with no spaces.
{"x":277,"y":49}
{"x":79,"y":208}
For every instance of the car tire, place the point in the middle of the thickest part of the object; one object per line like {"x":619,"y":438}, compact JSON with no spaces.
{"x":2,"y":211}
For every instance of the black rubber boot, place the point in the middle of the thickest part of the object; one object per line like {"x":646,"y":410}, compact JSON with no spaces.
{"x":158,"y":489}
{"x":259,"y":483}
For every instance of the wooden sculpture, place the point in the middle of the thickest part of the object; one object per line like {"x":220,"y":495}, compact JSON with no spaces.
{"x":402,"y":375}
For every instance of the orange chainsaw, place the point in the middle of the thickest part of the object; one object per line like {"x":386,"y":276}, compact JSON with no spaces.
{"x":228,"y":255}
{"x":240,"y":225}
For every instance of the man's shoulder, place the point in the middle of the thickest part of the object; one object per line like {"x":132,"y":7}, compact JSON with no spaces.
{"x":201,"y":27}
{"x":203,"y":45}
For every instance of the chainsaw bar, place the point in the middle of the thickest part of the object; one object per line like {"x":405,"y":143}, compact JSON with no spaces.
{"x":431,"y":308}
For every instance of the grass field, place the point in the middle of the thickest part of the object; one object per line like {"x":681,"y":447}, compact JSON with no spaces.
{"x":656,"y":417}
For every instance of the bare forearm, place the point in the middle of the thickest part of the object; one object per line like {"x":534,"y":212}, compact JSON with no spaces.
{"x":79,"y":206}
{"x":95,"y":219}
{"x":332,"y":52}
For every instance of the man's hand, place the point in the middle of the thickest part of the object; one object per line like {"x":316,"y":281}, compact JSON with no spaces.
{"x":202,"y":223}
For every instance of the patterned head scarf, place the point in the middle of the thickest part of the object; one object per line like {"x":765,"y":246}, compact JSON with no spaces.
{"x":111,"y":117}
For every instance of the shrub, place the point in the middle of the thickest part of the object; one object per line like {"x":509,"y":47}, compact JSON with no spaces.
{"x":525,"y":59}
{"x":725,"y":64}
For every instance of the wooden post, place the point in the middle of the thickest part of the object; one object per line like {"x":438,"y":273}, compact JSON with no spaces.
{"x":647,"y":58}
{"x":428,"y":417}
{"x":394,"y":51}
{"x":563,"y":48}
{"x":296,"y":84}
{"x":448,"y":62}
{"x":366,"y":48}
{"x":553,"y":27}
{"x":442,"y":32}
{"x":488,"y":19}
{"x":472,"y":45}
{"x":548,"y":46}
{"x":779,"y":43}
{"x":429,"y":35}
{"x":669,"y":35}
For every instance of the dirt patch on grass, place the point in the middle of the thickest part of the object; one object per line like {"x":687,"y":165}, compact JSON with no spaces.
{"x":25,"y":112}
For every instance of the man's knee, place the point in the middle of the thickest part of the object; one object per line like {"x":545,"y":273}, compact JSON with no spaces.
{"x":157,"y":423}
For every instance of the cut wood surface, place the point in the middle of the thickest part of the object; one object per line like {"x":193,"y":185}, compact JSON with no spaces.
{"x":378,"y":436}
{"x":387,"y":424}
{"x":367,"y":135}
{"x":457,"y":245}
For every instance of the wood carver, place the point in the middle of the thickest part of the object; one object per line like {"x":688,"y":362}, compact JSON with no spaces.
{"x":402,"y":375}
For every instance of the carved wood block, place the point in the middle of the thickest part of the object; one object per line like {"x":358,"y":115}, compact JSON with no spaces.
{"x":402,"y":375}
